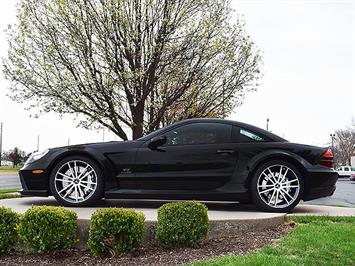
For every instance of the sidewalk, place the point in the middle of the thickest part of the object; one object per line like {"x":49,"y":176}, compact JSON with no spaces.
{"x":305,"y":209}
{"x":8,"y":172}
{"x":218,"y":211}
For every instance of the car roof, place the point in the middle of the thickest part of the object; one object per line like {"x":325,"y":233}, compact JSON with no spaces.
{"x":215,"y":120}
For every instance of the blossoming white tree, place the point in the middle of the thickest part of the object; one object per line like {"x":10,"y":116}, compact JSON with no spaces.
{"x":140,"y":64}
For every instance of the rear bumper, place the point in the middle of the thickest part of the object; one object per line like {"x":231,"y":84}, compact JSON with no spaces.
{"x":320,"y":183}
{"x":344,"y":176}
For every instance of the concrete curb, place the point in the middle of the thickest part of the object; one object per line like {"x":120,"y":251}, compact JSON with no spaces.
{"x":216,"y":228}
{"x":224,"y":218}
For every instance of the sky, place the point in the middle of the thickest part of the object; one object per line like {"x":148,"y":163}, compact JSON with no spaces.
{"x":307,"y":90}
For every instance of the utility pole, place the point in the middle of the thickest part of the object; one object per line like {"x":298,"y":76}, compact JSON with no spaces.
{"x":68,"y":141}
{"x":0,"y":143}
{"x":332,"y":136}
{"x":267,"y":124}
{"x":103,"y":134}
{"x":38,"y":143}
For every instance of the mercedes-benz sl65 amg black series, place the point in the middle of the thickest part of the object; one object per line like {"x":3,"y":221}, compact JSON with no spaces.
{"x":199,"y":159}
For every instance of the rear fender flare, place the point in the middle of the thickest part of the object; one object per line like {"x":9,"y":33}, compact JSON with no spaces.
{"x":263,"y":157}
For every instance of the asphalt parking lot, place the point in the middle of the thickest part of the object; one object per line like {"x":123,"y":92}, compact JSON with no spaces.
{"x":343,"y":196}
{"x":9,"y":181}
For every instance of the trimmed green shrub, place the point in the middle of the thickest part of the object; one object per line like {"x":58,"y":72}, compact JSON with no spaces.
{"x":45,"y":228}
{"x":115,"y":230}
{"x":182,"y":223}
{"x":8,"y":233}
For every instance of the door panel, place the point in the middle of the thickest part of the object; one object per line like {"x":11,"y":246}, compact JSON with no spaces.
{"x":184,"y":167}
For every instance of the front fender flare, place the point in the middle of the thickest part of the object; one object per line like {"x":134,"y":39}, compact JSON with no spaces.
{"x":98,"y":157}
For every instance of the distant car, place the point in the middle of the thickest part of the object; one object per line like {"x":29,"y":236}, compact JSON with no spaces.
{"x":345,"y":171}
{"x":199,"y":159}
{"x":6,"y":163}
{"x":352,"y":177}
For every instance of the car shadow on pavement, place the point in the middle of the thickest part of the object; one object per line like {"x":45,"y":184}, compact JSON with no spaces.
{"x":146,"y":204}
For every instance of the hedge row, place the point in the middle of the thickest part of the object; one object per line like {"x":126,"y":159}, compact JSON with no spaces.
{"x":39,"y":229}
{"x":182,"y":223}
{"x":115,"y":230}
{"x":8,"y":234}
{"x":44,"y":228}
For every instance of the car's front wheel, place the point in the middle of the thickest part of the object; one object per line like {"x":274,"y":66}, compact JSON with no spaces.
{"x":76,"y":181}
{"x":277,"y":186}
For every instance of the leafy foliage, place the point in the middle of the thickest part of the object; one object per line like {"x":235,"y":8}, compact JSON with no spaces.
{"x":182,"y":223}
{"x":15,"y":155}
{"x":115,"y":230}
{"x":46,"y":228}
{"x":131,"y":64}
{"x":8,"y":233}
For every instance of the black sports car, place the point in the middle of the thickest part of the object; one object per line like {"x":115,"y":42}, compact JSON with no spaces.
{"x":201,"y":159}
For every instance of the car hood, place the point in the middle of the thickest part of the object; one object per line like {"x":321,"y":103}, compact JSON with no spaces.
{"x":106,"y":146}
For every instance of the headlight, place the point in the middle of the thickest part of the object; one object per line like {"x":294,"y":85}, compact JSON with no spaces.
{"x":36,"y":156}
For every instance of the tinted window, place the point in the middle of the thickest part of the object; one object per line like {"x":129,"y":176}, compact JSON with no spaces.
{"x":346,"y":169}
{"x":244,"y":135}
{"x":199,"y":133}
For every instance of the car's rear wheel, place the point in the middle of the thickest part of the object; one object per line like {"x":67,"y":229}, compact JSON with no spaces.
{"x":76,"y":181}
{"x":277,"y":186}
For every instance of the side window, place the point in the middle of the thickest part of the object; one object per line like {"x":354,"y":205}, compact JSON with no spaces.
{"x":346,"y":169}
{"x":199,"y":133}
{"x":243,"y":135}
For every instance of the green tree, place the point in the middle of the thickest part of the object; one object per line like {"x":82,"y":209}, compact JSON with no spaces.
{"x":15,"y":155}
{"x":344,"y":145}
{"x":138,"y":64}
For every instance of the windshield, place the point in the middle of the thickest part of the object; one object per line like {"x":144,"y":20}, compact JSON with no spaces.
{"x":155,"y":133}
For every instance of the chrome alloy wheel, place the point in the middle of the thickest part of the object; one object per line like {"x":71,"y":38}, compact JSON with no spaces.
{"x":75,"y":181}
{"x":278,"y":186}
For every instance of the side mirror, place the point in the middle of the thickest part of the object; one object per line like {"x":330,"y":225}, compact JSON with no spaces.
{"x":156,"y":142}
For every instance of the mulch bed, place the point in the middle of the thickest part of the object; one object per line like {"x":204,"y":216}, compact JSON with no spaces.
{"x":153,"y":254}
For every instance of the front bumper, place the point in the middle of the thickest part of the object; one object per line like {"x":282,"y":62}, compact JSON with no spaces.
{"x":320,"y":182}
{"x":34,"y":184}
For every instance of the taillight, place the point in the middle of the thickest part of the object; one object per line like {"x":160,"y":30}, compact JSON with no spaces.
{"x":327,"y":159}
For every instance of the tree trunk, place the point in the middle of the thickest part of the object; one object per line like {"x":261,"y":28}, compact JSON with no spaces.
{"x":137,"y":129}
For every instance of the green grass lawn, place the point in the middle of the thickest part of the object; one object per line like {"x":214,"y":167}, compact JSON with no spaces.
{"x":9,"y":190}
{"x":10,"y":168}
{"x":316,"y":241}
{"x":8,"y":196}
{"x":9,"y":193}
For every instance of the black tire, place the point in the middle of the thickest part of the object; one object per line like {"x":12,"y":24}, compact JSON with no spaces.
{"x":95,"y":194}
{"x":262,"y":199}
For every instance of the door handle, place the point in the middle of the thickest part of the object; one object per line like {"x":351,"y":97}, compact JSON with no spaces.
{"x":227,"y":151}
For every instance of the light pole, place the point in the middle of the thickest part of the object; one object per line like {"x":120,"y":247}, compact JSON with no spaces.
{"x":38,"y":143}
{"x":267,"y":124}
{"x":0,"y":143}
{"x":332,"y":136}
